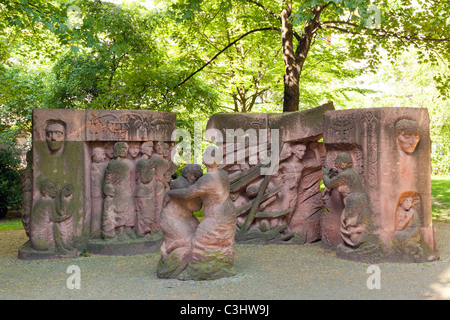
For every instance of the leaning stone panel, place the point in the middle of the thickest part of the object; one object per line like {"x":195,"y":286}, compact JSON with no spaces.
{"x":387,"y":151}
{"x":95,"y":180}
{"x":274,"y":165}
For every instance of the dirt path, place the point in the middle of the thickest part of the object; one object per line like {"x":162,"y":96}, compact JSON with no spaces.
{"x":263,"y":272}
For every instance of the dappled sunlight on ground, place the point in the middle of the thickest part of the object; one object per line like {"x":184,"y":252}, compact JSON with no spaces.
{"x":441,"y":289}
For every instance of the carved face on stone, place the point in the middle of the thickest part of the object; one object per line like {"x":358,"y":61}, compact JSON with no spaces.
{"x":55,"y":135}
{"x":407,"y":135}
{"x":48,"y":188}
{"x":407,"y":203}
{"x":147,"y":148}
{"x":109,"y":150}
{"x":120,"y":149}
{"x":98,"y":155}
{"x":134,"y":150}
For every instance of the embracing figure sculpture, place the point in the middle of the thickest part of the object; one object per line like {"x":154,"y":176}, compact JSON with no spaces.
{"x":212,"y":246}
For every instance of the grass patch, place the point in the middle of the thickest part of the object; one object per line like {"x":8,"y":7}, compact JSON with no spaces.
{"x":11,"y":224}
{"x":440,"y":193}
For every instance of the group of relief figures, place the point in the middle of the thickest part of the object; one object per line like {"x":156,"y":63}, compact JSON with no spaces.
{"x":128,"y":183}
{"x":133,"y":196}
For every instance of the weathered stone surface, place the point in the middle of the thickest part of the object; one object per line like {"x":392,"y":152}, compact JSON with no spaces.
{"x":390,"y":150}
{"x":81,"y":185}
{"x":129,"y":125}
{"x":286,"y":206}
{"x":211,"y":251}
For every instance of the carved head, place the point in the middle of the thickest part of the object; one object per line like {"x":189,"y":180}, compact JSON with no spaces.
{"x":192,"y":172}
{"x":409,"y":200}
{"x":408,"y":135}
{"x":109,"y":150}
{"x":343,"y":160}
{"x":120,"y":149}
{"x":134,"y":149}
{"x":212,"y":157}
{"x":98,"y":155}
{"x":299,"y":150}
{"x":166,"y":150}
{"x":147,"y":148}
{"x":48,"y":188}
{"x":55,"y":135}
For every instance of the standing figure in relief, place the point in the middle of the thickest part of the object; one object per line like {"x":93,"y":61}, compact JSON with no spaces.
{"x":41,"y":225}
{"x":118,"y":205}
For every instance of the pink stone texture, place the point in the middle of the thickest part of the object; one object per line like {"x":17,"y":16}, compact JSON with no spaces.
{"x":77,"y":190}
{"x":390,"y":149}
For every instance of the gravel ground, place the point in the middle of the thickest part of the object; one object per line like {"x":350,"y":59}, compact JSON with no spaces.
{"x":263,"y":273}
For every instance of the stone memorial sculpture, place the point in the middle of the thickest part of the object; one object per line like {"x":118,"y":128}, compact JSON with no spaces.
{"x":212,"y":246}
{"x":396,"y":181}
{"x":283,"y":207}
{"x":79,"y":195}
{"x":179,"y":225}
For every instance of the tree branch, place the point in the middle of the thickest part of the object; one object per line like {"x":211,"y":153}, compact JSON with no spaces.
{"x":265,"y":9}
{"x":225,"y":48}
{"x":381,"y":32}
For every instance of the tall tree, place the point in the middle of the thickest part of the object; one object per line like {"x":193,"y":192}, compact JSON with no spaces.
{"x":367,"y":25}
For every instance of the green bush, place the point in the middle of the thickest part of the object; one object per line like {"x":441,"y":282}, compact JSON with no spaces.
{"x":10,"y":167}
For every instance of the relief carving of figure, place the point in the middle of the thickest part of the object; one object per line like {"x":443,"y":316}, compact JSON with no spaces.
{"x":161,"y":183}
{"x":118,"y":207}
{"x":408,"y":136}
{"x":55,"y":135}
{"x":145,"y":191}
{"x":407,"y":237}
{"x":179,"y":225}
{"x":356,"y":224}
{"x":41,"y":227}
{"x":51,"y":225}
{"x":98,"y":167}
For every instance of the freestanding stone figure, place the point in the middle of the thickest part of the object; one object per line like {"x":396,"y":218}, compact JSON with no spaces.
{"x":356,"y":225}
{"x":213,"y":244}
{"x":179,"y":225}
{"x":118,"y":206}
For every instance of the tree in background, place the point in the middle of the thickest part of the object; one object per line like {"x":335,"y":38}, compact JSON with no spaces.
{"x":367,"y":25}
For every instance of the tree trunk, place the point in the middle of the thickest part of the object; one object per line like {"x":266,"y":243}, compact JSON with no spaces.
{"x":294,"y":60}
{"x":292,"y":67}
